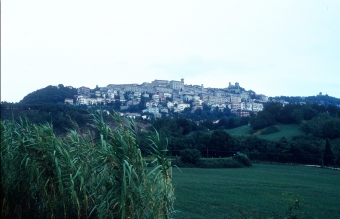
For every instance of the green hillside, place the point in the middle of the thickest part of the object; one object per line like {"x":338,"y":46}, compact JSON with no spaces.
{"x":286,"y":130}
{"x":242,"y":130}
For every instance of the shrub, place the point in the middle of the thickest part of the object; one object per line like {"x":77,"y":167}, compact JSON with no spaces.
{"x":242,"y":158}
{"x":192,"y":156}
{"x":220,"y":163}
{"x":270,"y":130}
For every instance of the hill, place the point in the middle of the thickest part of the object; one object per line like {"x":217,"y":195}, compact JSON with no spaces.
{"x":318,"y":99}
{"x":49,"y":95}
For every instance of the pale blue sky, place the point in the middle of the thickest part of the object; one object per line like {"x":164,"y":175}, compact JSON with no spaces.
{"x":272,"y":47}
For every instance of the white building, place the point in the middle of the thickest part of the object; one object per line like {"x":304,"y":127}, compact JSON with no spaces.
{"x":257,"y":107}
{"x":153,"y":110}
{"x":170,"y":105}
{"x":235,"y":99}
{"x":248,"y":106}
{"x":180,"y":107}
{"x":235,"y":106}
{"x":155,"y":97}
{"x":177,"y":85}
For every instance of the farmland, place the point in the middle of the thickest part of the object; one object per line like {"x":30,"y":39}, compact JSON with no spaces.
{"x":286,"y":130}
{"x":263,"y":191}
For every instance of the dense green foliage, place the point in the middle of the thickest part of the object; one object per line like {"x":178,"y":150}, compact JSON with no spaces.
{"x":290,"y":114}
{"x":242,"y":158}
{"x":61,"y":116}
{"x":315,"y":124}
{"x":263,"y":191}
{"x":191,"y":156}
{"x":219,"y":163}
{"x":218,"y":143}
{"x":318,"y":99}
{"x":323,"y":126}
{"x":82,"y":175}
{"x":49,"y":95}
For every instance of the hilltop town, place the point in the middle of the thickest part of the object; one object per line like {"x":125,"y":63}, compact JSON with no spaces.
{"x":163,"y":96}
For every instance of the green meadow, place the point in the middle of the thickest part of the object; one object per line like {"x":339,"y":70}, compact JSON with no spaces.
{"x":286,"y":130}
{"x":262,"y":191}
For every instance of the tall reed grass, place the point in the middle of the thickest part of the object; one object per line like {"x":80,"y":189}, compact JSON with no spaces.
{"x":83,"y":175}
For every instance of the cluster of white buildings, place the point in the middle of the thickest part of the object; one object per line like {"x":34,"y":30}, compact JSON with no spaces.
{"x":164,"y":96}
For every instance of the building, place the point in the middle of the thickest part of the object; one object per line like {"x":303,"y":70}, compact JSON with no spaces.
{"x":68,"y":101}
{"x":153,"y":110}
{"x":177,"y":85}
{"x":217,"y":99}
{"x":84,"y":91}
{"x":155,"y":97}
{"x":235,"y":106}
{"x":163,"y":83}
{"x":235,"y":99}
{"x":98,"y":93}
{"x":242,"y":113}
{"x":257,"y":107}
{"x":180,"y":107}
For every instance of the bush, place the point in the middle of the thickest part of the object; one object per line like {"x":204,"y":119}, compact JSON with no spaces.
{"x":270,"y":130}
{"x":238,"y":161}
{"x":220,"y":163}
{"x":242,"y":158}
{"x":192,"y":156}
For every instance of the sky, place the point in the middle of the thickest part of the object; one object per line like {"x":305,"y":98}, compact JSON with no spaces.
{"x":289,"y":48}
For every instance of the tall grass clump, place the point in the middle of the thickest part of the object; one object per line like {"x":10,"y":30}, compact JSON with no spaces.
{"x":83,"y":175}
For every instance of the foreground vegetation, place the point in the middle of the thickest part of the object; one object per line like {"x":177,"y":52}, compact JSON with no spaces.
{"x":263,"y":191}
{"x":84,"y":175}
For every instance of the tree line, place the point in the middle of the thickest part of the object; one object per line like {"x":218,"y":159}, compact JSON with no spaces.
{"x":203,"y":129}
{"x":320,"y":143}
{"x":317,"y":120}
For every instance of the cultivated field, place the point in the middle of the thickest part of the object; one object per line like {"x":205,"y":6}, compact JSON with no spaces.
{"x":287,"y":130}
{"x":262,"y":191}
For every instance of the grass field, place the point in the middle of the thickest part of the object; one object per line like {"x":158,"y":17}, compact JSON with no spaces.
{"x":288,"y":131}
{"x":262,"y":191}
{"x":242,"y":130}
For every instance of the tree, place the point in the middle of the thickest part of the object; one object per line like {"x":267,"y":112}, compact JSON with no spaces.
{"x":274,"y":109}
{"x":297,"y":115}
{"x":285,"y":113}
{"x":262,"y":120}
{"x":323,"y":126}
{"x":49,"y":94}
{"x":309,"y":113}
{"x":223,"y":123}
{"x":328,"y":155}
{"x":208,"y":124}
{"x":204,"y":143}
{"x":333,"y":110}
{"x":221,"y":142}
{"x":190,"y":156}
